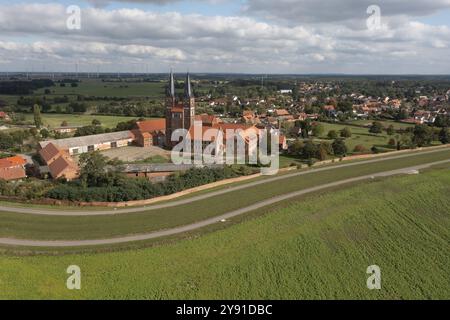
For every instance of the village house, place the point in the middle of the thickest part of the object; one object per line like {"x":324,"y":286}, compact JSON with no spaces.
{"x":12,"y":168}
{"x":66,"y":129}
{"x":59,"y":163}
{"x":150,"y":133}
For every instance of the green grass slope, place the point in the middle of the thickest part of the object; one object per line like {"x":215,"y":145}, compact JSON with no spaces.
{"x":315,"y":248}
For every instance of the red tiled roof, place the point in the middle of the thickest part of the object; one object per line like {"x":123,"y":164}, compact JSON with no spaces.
{"x":12,"y":161}
{"x":152,"y":125}
{"x":281,"y":112}
{"x":61,"y":166}
{"x":49,"y":152}
{"x":207,"y":119}
{"x":12,"y":173}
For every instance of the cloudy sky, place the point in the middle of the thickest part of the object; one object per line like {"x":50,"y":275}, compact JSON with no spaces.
{"x":245,"y":36}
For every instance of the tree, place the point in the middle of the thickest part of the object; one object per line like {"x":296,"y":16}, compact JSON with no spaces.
{"x":346,"y":132}
{"x":422,"y":135}
{"x":376,"y":127}
{"x":442,"y":121}
{"x":306,"y":128}
{"x":390,"y":130}
{"x":64,"y":124}
{"x":296,"y":147}
{"x":33,"y":132}
{"x":92,"y":169}
{"x":96,"y":122}
{"x":392,"y":143}
{"x":345,"y":106}
{"x":317,"y":130}
{"x":44,"y":133}
{"x":444,"y":136}
{"x":309,"y":150}
{"x":339,"y":147}
{"x":6,"y":141}
{"x":37,"y":116}
{"x":332,"y":134}
{"x":404,"y":141}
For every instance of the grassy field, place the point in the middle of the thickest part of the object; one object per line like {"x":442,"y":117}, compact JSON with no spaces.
{"x":386,"y":124}
{"x":360,"y":136}
{"x":98,"y":88}
{"x":93,"y":227}
{"x":318,"y":248}
{"x":55,"y":120}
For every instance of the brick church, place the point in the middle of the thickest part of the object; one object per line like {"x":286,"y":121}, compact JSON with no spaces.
{"x":180,"y":114}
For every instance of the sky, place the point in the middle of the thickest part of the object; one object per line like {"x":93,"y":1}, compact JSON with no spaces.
{"x":235,"y":36}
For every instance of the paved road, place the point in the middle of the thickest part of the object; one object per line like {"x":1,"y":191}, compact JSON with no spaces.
{"x":204,"y":223}
{"x":53,"y":212}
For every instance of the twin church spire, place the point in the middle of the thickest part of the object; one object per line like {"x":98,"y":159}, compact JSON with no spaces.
{"x":187,"y":86}
{"x":180,"y":112}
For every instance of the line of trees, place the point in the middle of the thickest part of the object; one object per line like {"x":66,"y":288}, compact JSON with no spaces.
{"x":96,"y":183}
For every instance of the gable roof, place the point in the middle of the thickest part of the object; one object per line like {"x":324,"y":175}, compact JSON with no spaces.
{"x":49,"y":152}
{"x":151,"y":125}
{"x":12,"y":173}
{"x":16,"y":160}
{"x":60,"y":165}
{"x":12,"y":162}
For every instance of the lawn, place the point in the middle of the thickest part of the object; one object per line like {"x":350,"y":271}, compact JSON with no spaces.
{"x":386,"y":124}
{"x":55,"y":120}
{"x":360,"y":136}
{"x":317,"y":248}
{"x":97,"y":227}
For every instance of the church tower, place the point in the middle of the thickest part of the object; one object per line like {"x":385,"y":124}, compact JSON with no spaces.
{"x":170,"y":104}
{"x":189,"y":104}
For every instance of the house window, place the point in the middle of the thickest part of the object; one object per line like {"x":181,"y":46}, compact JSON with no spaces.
{"x":75,"y":151}
{"x":91,"y":148}
{"x":113,"y":144}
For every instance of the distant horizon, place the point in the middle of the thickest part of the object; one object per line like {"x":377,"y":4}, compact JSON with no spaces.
{"x":218,"y":73}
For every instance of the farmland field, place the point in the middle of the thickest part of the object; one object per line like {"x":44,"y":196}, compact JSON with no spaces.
{"x":55,"y":120}
{"x":98,"y":88}
{"x":317,"y":248}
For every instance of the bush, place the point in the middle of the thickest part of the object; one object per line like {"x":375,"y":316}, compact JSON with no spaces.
{"x":360,"y":148}
{"x":122,"y":188}
{"x":332,"y":134}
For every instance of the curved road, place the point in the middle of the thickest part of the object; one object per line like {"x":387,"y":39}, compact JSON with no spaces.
{"x":201,"y":224}
{"x":52,"y":212}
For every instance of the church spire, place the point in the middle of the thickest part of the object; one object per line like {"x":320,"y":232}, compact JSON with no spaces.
{"x":187,"y":86}
{"x":171,"y":85}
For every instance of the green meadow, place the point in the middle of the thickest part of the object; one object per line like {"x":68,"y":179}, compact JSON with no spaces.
{"x":317,"y":247}
{"x":121,"y":89}
{"x":362,"y":136}
{"x":55,"y":120}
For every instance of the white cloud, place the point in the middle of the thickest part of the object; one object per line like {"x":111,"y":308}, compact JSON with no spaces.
{"x":37,"y":33}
